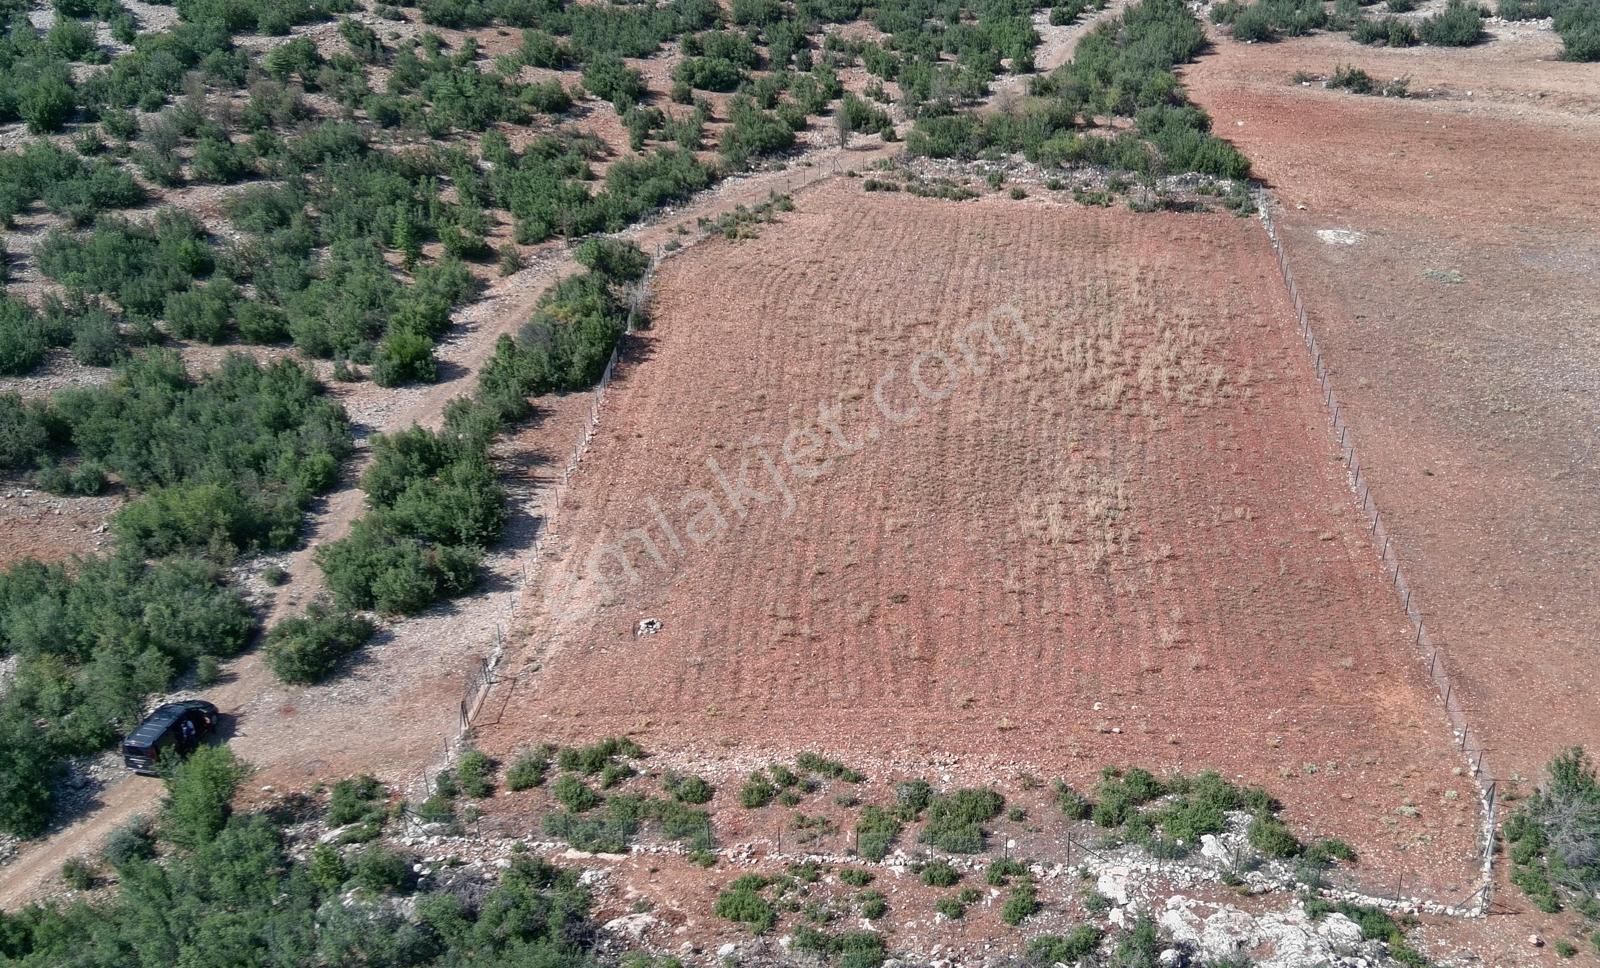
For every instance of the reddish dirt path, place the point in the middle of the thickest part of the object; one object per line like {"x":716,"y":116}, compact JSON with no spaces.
{"x":926,"y":597}
{"x":299,"y":736}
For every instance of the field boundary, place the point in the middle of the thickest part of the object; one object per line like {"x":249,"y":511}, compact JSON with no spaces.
{"x":1385,"y":542}
{"x":480,"y":676}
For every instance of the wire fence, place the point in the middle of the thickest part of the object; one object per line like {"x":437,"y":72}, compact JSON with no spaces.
{"x":480,"y":677}
{"x":1387,"y":545}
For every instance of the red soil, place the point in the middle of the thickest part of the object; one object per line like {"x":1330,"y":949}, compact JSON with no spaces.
{"x":1127,"y":542}
{"x":1461,"y":329}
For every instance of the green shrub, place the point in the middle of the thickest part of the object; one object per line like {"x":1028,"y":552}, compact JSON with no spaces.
{"x":1578,"y":24}
{"x":1352,"y":79}
{"x":689,"y":789}
{"x":1021,"y":904}
{"x":376,"y":567}
{"x":475,"y":772}
{"x":1269,"y":836}
{"x":856,"y":877}
{"x":1139,"y":945}
{"x":594,"y":758}
{"x":833,"y":769}
{"x":608,"y":78}
{"x":199,"y":796}
{"x":79,"y":873}
{"x":307,"y":649}
{"x":951,"y":907}
{"x":1002,"y":870}
{"x":26,"y":428}
{"x":29,"y":765}
{"x":1385,"y":31}
{"x":913,"y":796}
{"x":1553,"y":839}
{"x":380,"y":870}
{"x":404,"y":357}
{"x":1526,"y":9}
{"x":132,"y":842}
{"x":876,"y":831}
{"x":528,"y":770}
{"x":939,"y":873}
{"x":742,"y":903}
{"x":873,"y":905}
{"x":354,"y":799}
{"x":1119,"y":795}
{"x":1074,"y":805}
{"x":1459,"y":25}
{"x":1071,"y":948}
{"x":754,"y":133}
{"x":23,"y":338}
{"x":955,"y":819}
{"x":574,"y":794}
{"x":758,"y":791}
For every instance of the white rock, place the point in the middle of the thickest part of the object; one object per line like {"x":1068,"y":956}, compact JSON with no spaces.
{"x":632,"y":925}
{"x":1340,"y":932}
{"x":1113,"y":883}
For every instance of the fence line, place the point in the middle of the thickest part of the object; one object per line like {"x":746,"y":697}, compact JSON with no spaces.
{"x":480,"y":677}
{"x":1429,"y":653}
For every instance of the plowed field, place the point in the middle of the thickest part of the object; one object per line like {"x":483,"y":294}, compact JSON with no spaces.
{"x":1011,"y":483}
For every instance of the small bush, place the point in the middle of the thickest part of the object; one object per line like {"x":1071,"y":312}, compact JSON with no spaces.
{"x":1578,"y":24}
{"x":742,"y":903}
{"x":1119,"y":795}
{"x":79,"y":874}
{"x":380,"y":870}
{"x":939,"y":873}
{"x":200,"y":796}
{"x":1269,"y":836}
{"x":812,"y":763}
{"x":873,"y":905}
{"x":1385,"y":31}
{"x":354,"y":799}
{"x":528,"y":770}
{"x":1459,"y":25}
{"x":307,"y":649}
{"x":574,"y":794}
{"x":1352,"y":79}
{"x":955,"y":819}
{"x":475,"y":773}
{"x":133,"y":841}
{"x":689,"y":789}
{"x":1074,"y":805}
{"x":876,"y":831}
{"x":1002,"y":870}
{"x":758,"y":791}
{"x":1070,"y":949}
{"x":856,"y":877}
{"x":1022,"y":903}
{"x":592,"y":760}
{"x":913,"y":796}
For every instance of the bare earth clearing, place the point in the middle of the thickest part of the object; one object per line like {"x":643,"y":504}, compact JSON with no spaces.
{"x":1123,"y":543}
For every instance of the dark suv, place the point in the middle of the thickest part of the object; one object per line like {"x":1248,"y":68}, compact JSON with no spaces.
{"x":178,"y":726}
